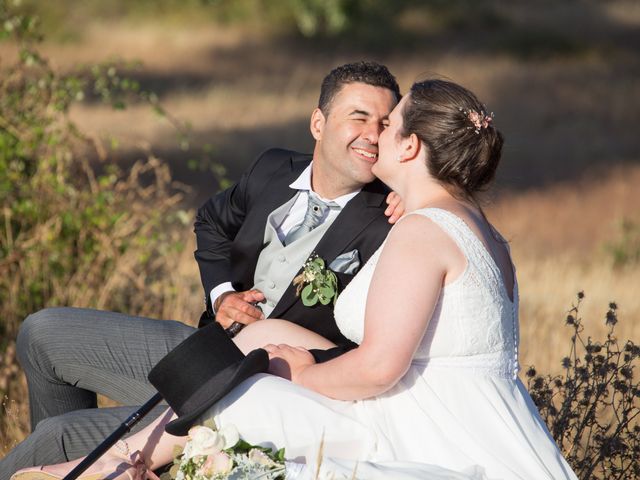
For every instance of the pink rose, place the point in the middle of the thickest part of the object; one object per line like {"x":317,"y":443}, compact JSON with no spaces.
{"x":217,"y":463}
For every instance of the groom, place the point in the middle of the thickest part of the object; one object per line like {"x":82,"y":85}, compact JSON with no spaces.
{"x":252,"y":240}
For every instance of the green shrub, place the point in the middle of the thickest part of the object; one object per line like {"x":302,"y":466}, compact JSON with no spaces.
{"x":69,"y":235}
{"x":626,"y":249}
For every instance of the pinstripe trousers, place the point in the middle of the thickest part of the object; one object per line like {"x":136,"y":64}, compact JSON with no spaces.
{"x":71,"y":354}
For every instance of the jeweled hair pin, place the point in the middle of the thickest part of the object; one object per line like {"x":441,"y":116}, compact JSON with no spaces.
{"x":479,"y":120}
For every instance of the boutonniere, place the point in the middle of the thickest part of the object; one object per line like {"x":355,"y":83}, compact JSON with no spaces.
{"x":316,"y":283}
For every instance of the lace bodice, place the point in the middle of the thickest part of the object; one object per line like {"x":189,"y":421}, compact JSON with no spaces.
{"x":474,"y":324}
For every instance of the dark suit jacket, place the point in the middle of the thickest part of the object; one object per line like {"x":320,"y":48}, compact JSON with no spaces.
{"x":230,"y":231}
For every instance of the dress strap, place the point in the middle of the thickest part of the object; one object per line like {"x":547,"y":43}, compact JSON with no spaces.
{"x":470,"y":245}
{"x":482,"y":262}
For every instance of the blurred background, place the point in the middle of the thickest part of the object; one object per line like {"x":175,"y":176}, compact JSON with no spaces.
{"x":203,"y":86}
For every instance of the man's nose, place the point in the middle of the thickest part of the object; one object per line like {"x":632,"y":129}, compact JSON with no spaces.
{"x":372,"y":132}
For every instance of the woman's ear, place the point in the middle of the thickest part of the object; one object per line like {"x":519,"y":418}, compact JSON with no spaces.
{"x":411,"y":148}
{"x":317,"y":123}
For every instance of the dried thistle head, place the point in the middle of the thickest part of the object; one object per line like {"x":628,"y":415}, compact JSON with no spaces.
{"x":593,"y":408}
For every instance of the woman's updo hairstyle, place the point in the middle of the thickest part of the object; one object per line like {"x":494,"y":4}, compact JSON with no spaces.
{"x":463,"y":145}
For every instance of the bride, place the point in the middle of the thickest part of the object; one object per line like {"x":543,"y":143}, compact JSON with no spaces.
{"x":432,"y":389}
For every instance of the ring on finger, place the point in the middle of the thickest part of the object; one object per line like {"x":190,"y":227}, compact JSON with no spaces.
{"x":234,"y":329}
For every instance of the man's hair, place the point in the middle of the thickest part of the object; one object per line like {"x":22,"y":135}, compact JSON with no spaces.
{"x":370,"y":73}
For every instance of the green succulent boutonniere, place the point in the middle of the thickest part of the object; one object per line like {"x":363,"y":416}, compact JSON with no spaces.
{"x":316,"y":283}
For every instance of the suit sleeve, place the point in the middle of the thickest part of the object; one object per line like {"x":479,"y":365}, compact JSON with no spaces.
{"x":217,"y":224}
{"x":321,"y":356}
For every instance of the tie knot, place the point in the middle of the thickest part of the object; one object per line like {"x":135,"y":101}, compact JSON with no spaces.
{"x":317,"y":209}
{"x":316,"y":214}
{"x":314,"y":200}
{"x":316,"y":205}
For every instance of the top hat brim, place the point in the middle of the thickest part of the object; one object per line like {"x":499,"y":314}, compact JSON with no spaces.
{"x":256,"y":361}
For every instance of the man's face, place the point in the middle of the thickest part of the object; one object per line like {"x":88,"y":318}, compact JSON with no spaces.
{"x":347,"y":138}
{"x":390,"y":145}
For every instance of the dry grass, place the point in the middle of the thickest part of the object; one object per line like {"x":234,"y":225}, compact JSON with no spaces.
{"x":14,"y":422}
{"x":570,"y":170}
{"x":242,"y":91}
{"x":558,"y":237}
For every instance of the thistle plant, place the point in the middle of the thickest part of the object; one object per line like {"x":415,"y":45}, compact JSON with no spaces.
{"x":592,"y":409}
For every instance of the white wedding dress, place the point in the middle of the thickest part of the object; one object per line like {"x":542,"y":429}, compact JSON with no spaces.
{"x":460,"y":412}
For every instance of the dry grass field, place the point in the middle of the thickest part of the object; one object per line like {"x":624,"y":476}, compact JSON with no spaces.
{"x":562,"y":81}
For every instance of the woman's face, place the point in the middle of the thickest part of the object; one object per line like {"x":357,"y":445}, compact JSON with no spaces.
{"x":389,"y":144}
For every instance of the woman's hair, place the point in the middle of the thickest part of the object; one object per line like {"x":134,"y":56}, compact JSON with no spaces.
{"x":463,"y":145}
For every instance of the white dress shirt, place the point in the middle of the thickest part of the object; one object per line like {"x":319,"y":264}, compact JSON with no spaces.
{"x":293,"y":217}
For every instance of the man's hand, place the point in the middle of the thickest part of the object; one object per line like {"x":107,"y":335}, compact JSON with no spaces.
{"x":395,"y":208}
{"x":237,"y":307}
{"x":287,"y":361}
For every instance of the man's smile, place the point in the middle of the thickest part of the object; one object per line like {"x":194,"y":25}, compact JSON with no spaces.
{"x":368,"y":155}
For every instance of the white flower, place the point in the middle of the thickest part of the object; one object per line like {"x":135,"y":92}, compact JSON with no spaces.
{"x":209,"y":455}
{"x":203,"y":441}
{"x":230,"y":436}
{"x":261,"y":458}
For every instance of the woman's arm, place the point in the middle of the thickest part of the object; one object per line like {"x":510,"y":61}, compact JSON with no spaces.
{"x":415,"y":262}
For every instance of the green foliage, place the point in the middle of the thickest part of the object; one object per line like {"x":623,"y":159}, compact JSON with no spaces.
{"x":317,"y":18}
{"x":311,"y":18}
{"x":373,"y":24}
{"x":316,"y":283}
{"x":626,"y":249}
{"x":320,"y":16}
{"x":69,"y":236}
{"x":593,"y":408}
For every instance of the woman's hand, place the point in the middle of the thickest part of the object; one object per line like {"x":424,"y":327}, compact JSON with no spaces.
{"x":287,"y":361}
{"x":395,"y":208}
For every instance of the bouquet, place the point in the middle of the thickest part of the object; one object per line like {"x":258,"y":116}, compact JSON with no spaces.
{"x":212,"y":454}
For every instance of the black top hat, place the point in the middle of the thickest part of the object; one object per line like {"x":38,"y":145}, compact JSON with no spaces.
{"x":200,"y":371}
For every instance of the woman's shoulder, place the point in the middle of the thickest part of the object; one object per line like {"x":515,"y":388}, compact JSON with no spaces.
{"x":432,"y":220}
{"x":456,"y":219}
{"x":421,"y":231}
{"x":418,"y":222}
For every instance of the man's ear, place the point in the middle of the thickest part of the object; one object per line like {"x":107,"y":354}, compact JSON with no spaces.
{"x":317,"y":124}
{"x":411,"y":148}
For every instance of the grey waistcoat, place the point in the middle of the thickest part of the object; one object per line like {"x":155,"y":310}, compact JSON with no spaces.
{"x":278,"y":264}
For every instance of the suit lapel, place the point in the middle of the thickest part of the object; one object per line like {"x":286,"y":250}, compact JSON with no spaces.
{"x":275,"y":192}
{"x":353,"y":219}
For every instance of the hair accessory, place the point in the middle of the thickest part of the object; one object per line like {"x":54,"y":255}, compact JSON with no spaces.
{"x":479,"y":120}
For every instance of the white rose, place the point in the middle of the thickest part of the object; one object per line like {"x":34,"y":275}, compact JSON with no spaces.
{"x":230,"y":435}
{"x":203,"y":441}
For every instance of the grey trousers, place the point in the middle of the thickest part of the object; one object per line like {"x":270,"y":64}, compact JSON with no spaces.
{"x":69,"y":355}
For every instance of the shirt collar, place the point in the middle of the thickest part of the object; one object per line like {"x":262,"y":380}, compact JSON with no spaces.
{"x":303,"y":183}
